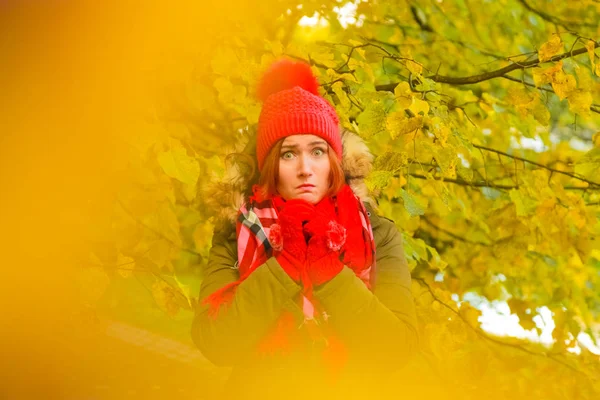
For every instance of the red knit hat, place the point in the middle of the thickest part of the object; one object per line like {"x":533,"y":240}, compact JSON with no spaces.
{"x":291,"y":106}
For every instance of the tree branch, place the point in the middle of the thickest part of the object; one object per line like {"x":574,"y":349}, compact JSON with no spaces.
{"x":537,"y":164}
{"x":487,"y":184}
{"x":502,"y":71}
{"x":452,"y":235}
{"x":467,"y":80}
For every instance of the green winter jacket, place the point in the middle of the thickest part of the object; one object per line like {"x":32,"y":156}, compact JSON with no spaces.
{"x":378,"y":328}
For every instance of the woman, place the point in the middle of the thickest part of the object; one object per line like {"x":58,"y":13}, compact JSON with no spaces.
{"x":309,"y":293}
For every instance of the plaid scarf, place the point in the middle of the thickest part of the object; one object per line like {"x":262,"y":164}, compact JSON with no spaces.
{"x":256,"y":242}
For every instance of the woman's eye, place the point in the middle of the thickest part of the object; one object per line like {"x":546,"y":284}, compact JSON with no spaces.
{"x":287,"y":155}
{"x":318,"y":152}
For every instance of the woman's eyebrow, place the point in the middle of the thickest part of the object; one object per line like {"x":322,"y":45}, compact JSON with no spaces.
{"x":294,"y":146}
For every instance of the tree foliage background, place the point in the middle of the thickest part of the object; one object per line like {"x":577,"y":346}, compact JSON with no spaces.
{"x":483,"y":116}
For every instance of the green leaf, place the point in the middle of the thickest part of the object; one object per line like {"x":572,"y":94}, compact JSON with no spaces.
{"x":415,"y":249}
{"x":372,"y":120}
{"x":589,"y":165}
{"x":412,"y":204}
{"x":177,"y":164}
{"x":435,"y":260}
{"x":378,"y":179}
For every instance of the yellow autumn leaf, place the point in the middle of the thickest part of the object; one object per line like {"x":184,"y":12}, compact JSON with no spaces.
{"x":540,"y":112}
{"x":338,"y":89}
{"x":576,"y":218}
{"x":275,"y":47}
{"x":435,"y":261}
{"x":166,"y":297}
{"x":176,"y":163}
{"x":403,"y":95}
{"x":529,"y":102}
{"x":225,"y":62}
{"x":591,"y":46}
{"x":125,"y":265}
{"x":589,"y":164}
{"x":372,"y":120}
{"x":563,"y":84}
{"x":414,"y":67}
{"x":160,"y":251}
{"x":550,"y":48}
{"x":584,"y":79}
{"x":397,"y":123}
{"x":541,"y":76}
{"x":519,"y":96}
{"x":203,"y":237}
{"x":492,"y":291}
{"x":325,"y":58}
{"x":596,"y":139}
{"x":402,"y":89}
{"x":225,"y":89}
{"x":470,"y":314}
{"x":580,"y":101}
{"x":419,"y":106}
{"x":359,"y":50}
{"x":253,"y":113}
{"x":332,"y":75}
{"x":442,"y":134}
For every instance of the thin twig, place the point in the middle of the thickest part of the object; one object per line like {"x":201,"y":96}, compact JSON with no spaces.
{"x":537,"y":164}
{"x":555,"y":20}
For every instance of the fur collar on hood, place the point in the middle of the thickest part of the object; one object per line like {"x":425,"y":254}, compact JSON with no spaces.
{"x":226,"y":198}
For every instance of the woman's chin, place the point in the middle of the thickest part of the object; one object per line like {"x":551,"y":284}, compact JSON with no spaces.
{"x":310,"y":197}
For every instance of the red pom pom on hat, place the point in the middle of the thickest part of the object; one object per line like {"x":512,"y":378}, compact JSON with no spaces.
{"x":287,"y":74}
{"x":292,"y":106}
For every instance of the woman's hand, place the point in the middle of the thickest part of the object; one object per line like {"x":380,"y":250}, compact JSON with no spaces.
{"x":292,"y":255}
{"x":327,"y":237}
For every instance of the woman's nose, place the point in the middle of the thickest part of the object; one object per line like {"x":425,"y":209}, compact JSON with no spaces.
{"x":304,"y":166}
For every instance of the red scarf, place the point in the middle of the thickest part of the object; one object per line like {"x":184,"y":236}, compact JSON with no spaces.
{"x":258,"y":234}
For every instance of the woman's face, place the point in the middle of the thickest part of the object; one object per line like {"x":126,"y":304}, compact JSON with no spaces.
{"x":304,"y":168}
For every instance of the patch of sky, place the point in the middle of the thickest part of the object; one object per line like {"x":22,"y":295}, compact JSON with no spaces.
{"x":496,"y":318}
{"x":490,"y":193}
{"x":536,"y":144}
{"x":346,"y":15}
{"x":463,"y":160}
{"x":315,"y":20}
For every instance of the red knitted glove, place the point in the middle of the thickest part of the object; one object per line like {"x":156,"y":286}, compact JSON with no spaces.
{"x":327,"y":237}
{"x":291,"y":253}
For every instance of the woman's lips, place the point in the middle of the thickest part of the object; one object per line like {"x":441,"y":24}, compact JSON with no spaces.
{"x":306,"y":188}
